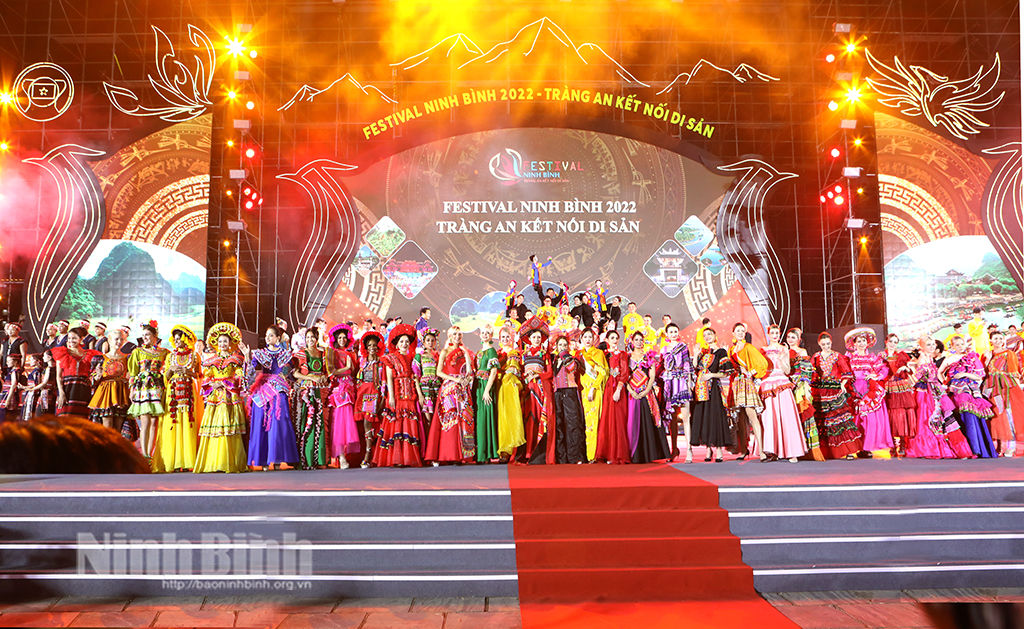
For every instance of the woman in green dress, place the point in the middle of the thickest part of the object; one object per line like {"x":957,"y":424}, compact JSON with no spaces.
{"x":487,"y":365}
{"x":312,"y":387}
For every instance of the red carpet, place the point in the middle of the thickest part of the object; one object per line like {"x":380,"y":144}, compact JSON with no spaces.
{"x":656,"y":615}
{"x":602,"y":533}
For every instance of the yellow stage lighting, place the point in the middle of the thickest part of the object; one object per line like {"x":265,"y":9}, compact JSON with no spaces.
{"x":235,"y":46}
{"x":833,"y":105}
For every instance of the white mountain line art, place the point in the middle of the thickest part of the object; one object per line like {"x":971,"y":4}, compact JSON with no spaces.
{"x":307,"y":92}
{"x":743,"y":73}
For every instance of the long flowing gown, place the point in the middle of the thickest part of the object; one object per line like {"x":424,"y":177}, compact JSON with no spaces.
{"x":744,"y":392}
{"x":710,"y":422}
{"x":75,"y":373}
{"x":973,"y":408}
{"x":613,"y":428}
{"x":310,"y":412}
{"x":271,"y":433}
{"x":869,"y":406}
{"x":1004,"y":378}
{"x":424,"y":366}
{"x":593,"y":381}
{"x":399,"y":439}
{"x":510,"y":410}
{"x":538,"y":403}
{"x":676,"y":377}
{"x":177,"y":437}
{"x":486,"y":414}
{"x":832,"y":405}
{"x":453,"y":433}
{"x":938,"y":434}
{"x":344,"y":433}
{"x":222,"y":431}
{"x":783,"y":431}
{"x":646,"y":434}
{"x":801,"y":372}
{"x":899,"y":396}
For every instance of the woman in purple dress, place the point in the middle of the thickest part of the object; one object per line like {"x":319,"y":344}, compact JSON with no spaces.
{"x":677,"y":377}
{"x":965,"y":374}
{"x":271,"y":434}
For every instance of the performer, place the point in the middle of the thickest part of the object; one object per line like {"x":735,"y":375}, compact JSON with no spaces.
{"x":177,"y":439}
{"x":63,"y":327}
{"x":899,"y":394}
{"x":424,"y":367}
{"x":592,"y":381}
{"x":102,"y":343}
{"x":646,"y":432}
{"x":222,"y":429}
{"x":343,"y":433}
{"x":510,"y":411}
{"x":88,"y":341}
{"x":965,"y":373}
{"x":569,"y":433}
{"x":146,"y":381}
{"x":13,"y":384}
{"x":801,"y":372}
{"x":938,"y":434}
{"x":369,"y":384}
{"x":783,"y":430}
{"x":487,"y":366}
{"x":613,"y":444}
{"x":14,"y":344}
{"x":710,"y":417}
{"x":271,"y":433}
{"x":538,"y":402}
{"x":870,"y":372}
{"x":46,"y":388}
{"x":745,"y":400}
{"x":535,"y":268}
{"x":49,"y":340}
{"x":976,"y":329}
{"x":601,"y":299}
{"x":74,"y":367}
{"x":109,"y":404}
{"x":309,"y":399}
{"x":30,"y":389}
{"x":452,"y":433}
{"x":677,"y":380}
{"x":1004,"y":388}
{"x":399,"y":440}
{"x":832,"y":372}
{"x":547,"y":312}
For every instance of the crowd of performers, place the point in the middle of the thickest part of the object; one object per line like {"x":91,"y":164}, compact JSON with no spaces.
{"x":531,"y":392}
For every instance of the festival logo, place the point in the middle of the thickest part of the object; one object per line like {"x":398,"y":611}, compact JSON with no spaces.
{"x":510,"y":168}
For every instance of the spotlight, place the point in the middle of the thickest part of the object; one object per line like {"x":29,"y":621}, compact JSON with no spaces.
{"x":250,"y":153}
{"x":250,"y":105}
{"x":260,"y":202}
{"x":227,"y":244}
{"x":235,"y":46}
{"x":252,"y":54}
{"x":851,"y":48}
{"x":830,"y":57}
{"x":835,"y":152}
{"x":232,"y":94}
{"x":4,"y":146}
{"x":839,"y":200}
{"x":6,"y":98}
{"x":248,"y":205}
{"x":858,"y":142}
{"x":863,"y":240}
{"x":853,"y":95}
{"x":830,"y":194}
{"x":823,"y":199}
{"x":839,"y":189}
{"x":254,"y":196}
{"x":231,"y":143}
{"x":860,"y":190}
{"x":833,"y":105}
{"x":247,"y":191}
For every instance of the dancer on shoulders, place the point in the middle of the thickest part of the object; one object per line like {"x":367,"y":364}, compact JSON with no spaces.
{"x":535,"y":268}
{"x":869,"y":372}
{"x":783,"y":431}
{"x":832,"y":375}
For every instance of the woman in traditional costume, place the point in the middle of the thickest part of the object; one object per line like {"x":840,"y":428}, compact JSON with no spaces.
{"x":271,"y":433}
{"x":538,"y":399}
{"x":344,"y":434}
{"x":869,"y":375}
{"x":424,"y":366}
{"x":453,"y":433}
{"x":177,"y":439}
{"x":222,"y":430}
{"x":710,"y":420}
{"x":783,"y":431}
{"x":745,"y":401}
{"x":147,"y":386}
{"x":899,"y":394}
{"x":938,"y":434}
{"x":74,"y":369}
{"x":801,"y":372}
{"x":1003,"y":386}
{"x":832,"y":373}
{"x":645,"y":429}
{"x":399,"y":440}
{"x":592,"y":383}
{"x":111,"y":399}
{"x":312,"y":386}
{"x":510,"y":410}
{"x":369,"y":384}
{"x":965,"y":373}
{"x":485,"y":388}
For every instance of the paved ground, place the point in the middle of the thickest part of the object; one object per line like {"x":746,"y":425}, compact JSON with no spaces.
{"x":809,"y":610}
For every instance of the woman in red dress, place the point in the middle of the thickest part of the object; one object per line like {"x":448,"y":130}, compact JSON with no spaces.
{"x":74,"y":369}
{"x":453,"y":431}
{"x":900,"y":397}
{"x":612,"y":435}
{"x":398,"y":440}
{"x":539,"y":395}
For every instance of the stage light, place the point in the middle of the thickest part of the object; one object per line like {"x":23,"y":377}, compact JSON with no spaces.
{"x":248,"y":205}
{"x":860,"y":190}
{"x":851,"y":47}
{"x":830,"y":58}
{"x":823,"y":199}
{"x":839,"y":189}
{"x":231,"y":143}
{"x":830,"y":194}
{"x":835,"y":152}
{"x":260,"y":202}
{"x":250,"y":105}
{"x":232,"y":94}
{"x":250,"y":153}
{"x":833,"y":105}
{"x":863,"y":240}
{"x":853,"y":95}
{"x":858,"y":142}
{"x":235,"y":46}
{"x":6,"y":98}
{"x":228,"y":192}
{"x":255,"y":196}
{"x":252,"y":54}
{"x":247,"y":191}
{"x":4,"y":146}
{"x":839,"y":200}
{"x":227,"y":244}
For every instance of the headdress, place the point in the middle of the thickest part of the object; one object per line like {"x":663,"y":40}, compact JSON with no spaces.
{"x":331,"y":338}
{"x":100,"y":324}
{"x":533,"y":324}
{"x":227,"y":329}
{"x":365,"y":338}
{"x":127,"y":330}
{"x":397,"y":332}
{"x":84,"y":323}
{"x":186,"y":333}
{"x":852,"y":336}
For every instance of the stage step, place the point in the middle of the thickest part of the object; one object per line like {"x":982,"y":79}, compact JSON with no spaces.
{"x":366,"y":538}
{"x":880,"y":537}
{"x":690,"y":583}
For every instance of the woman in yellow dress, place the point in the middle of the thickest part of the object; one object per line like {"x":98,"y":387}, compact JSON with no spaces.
{"x":592,"y":382}
{"x":177,"y":436}
{"x":510,"y":412}
{"x":222,"y":432}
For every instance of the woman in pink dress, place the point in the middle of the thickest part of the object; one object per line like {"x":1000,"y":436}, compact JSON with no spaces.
{"x":869,"y":374}
{"x":783,"y":430}
{"x":344,"y":435}
{"x":938,"y":434}
{"x":453,"y":431}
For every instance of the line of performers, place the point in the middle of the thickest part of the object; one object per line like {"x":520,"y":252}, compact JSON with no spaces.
{"x":536,"y":395}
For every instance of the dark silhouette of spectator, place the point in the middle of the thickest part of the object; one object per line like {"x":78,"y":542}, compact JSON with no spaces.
{"x":69,"y":445}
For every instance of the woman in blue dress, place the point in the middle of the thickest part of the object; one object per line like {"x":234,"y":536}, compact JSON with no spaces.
{"x":271,"y":433}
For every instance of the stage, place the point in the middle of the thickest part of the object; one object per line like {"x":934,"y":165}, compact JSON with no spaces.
{"x":549,"y":535}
